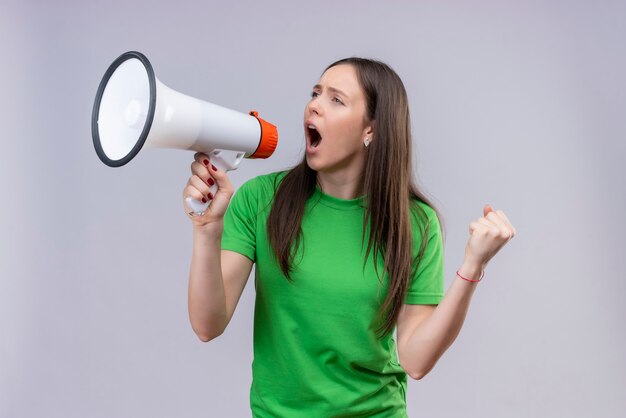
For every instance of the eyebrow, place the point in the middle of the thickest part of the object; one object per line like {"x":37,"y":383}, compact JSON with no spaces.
{"x":318,"y":86}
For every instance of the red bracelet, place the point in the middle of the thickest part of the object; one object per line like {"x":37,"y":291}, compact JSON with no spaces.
{"x":469,"y":280}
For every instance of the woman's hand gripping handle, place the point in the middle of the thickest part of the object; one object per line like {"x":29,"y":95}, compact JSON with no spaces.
{"x":208,"y":191}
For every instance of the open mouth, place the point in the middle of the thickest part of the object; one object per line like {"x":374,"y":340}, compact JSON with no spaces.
{"x":314,"y":137}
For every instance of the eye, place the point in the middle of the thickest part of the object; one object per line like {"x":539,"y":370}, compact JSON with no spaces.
{"x":314,"y":94}
{"x":337,"y":100}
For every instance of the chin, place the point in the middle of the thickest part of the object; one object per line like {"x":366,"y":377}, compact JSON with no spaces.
{"x":311,"y":164}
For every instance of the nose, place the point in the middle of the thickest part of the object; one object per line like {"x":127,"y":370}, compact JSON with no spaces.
{"x":313,"y":107}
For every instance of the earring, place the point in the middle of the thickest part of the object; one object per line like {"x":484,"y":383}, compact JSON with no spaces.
{"x":366,"y":142}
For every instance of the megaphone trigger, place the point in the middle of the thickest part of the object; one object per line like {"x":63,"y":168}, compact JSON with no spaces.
{"x":226,"y":160}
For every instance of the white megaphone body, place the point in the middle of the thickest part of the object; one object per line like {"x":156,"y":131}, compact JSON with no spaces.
{"x":134,"y":110}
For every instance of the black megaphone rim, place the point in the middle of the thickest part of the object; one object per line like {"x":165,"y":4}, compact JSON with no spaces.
{"x":149,"y":118}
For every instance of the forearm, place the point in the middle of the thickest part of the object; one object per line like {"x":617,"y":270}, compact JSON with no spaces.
{"x":206,"y":298}
{"x":433,"y":336}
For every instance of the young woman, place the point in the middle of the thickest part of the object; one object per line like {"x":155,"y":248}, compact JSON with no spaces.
{"x":346,"y":249}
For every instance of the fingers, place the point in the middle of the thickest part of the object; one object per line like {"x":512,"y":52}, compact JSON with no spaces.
{"x":197,"y":189}
{"x":496,"y":222}
{"x":200,"y":167}
{"x":224,"y":187}
{"x":474,"y":226}
{"x":495,"y":219}
{"x":205,"y":170}
{"x":201,"y":186}
{"x":503,"y":227}
{"x":506,"y":220}
{"x":201,"y":158}
{"x":198,"y":185}
{"x":499,"y":218}
{"x":489,"y":225}
{"x":202,"y":172}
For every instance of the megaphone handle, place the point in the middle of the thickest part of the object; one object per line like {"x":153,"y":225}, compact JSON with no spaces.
{"x":217,"y":159}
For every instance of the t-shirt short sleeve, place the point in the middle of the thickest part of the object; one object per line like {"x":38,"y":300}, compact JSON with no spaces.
{"x":427,"y":286}
{"x":240,"y":221}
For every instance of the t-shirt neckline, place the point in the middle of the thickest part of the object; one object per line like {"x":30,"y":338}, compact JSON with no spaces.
{"x":337,"y":203}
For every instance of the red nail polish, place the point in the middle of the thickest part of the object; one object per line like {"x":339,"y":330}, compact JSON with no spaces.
{"x":211,"y":182}
{"x":206,"y":162}
{"x":203,"y":200}
{"x":213,"y":167}
{"x":210,"y":195}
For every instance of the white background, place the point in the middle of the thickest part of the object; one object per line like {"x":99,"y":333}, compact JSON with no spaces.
{"x":516,"y":104}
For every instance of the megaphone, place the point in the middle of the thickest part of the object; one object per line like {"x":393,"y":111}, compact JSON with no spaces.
{"x":133,"y":110}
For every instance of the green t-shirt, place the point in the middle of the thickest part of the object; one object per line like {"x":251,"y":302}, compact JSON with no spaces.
{"x":315,"y":349}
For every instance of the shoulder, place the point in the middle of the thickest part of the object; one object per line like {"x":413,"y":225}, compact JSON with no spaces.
{"x":422,"y":213}
{"x":425,"y":220}
{"x":259,"y":190}
{"x":264,"y":183}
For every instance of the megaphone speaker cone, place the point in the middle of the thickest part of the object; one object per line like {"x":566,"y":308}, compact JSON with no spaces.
{"x":124,"y":108}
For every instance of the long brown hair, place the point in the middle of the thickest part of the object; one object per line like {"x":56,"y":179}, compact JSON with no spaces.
{"x":390,"y":192}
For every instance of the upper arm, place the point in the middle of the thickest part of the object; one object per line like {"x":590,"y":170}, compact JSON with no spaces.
{"x":236,"y":269}
{"x":408,"y":320}
{"x":425,"y":289}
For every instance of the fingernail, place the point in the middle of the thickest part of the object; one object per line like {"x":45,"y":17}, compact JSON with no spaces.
{"x":211,"y":182}
{"x":210,"y":195}
{"x":206,"y":162}
{"x":203,"y":200}
{"x":213,"y":167}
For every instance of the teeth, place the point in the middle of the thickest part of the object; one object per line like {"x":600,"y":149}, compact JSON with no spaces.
{"x":312,"y":127}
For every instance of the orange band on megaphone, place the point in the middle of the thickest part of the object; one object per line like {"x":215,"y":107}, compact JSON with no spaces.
{"x":269,"y":138}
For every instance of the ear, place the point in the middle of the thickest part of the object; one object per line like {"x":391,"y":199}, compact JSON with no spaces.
{"x":368,"y":131}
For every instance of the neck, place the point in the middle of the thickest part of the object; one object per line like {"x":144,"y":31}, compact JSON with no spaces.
{"x":341,"y":185}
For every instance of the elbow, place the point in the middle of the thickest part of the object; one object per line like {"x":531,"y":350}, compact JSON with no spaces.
{"x":205,"y":337}
{"x":418,"y":375}
{"x":415,"y":374}
{"x":207,"y":330}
